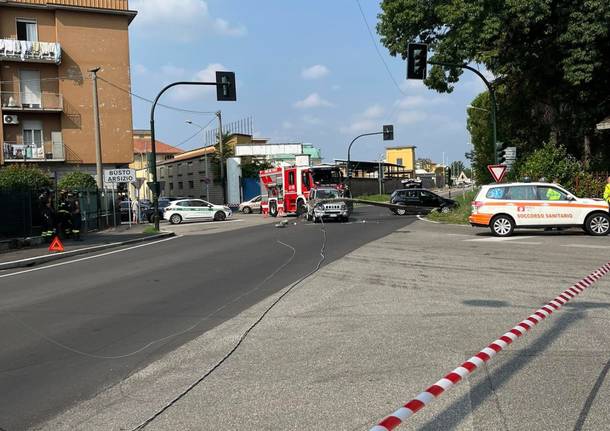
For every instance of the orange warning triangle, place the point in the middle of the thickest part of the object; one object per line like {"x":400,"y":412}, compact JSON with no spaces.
{"x":56,"y":245}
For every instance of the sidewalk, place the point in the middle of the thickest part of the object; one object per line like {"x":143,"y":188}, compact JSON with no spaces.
{"x":91,"y":242}
{"x":373,"y":329}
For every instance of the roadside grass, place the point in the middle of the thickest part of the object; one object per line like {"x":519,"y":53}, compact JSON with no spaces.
{"x":150,"y":230}
{"x":460,"y":214}
{"x":374,"y":198}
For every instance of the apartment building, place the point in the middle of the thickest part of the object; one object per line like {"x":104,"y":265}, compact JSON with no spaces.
{"x":47,"y":48}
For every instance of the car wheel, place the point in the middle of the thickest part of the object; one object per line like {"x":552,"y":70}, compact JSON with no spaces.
{"x":220,"y":216}
{"x":301,"y":208}
{"x":598,"y":224}
{"x":502,"y":225}
{"x":401,"y":211}
{"x":175,"y":219}
{"x":273,"y":209}
{"x":445,"y":210}
{"x":246,"y":210}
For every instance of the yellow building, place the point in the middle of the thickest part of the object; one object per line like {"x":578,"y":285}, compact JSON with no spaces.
{"x":401,"y":156}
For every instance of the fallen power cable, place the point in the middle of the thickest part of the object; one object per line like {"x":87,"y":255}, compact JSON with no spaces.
{"x":468,"y":367}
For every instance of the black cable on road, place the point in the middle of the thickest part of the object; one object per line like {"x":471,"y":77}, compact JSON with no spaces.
{"x":243,"y":336}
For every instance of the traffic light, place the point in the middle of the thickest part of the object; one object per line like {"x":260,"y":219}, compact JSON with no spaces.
{"x":417,"y":60}
{"x":448,"y":176}
{"x":499,"y":153}
{"x":388,"y":132}
{"x":226,"y":90}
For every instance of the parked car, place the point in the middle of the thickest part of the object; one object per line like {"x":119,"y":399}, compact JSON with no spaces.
{"x":195,"y":210}
{"x":149,"y":212}
{"x":420,"y":201}
{"x":317,"y":210}
{"x":504,"y":207}
{"x":411,"y":183}
{"x":253,"y":205}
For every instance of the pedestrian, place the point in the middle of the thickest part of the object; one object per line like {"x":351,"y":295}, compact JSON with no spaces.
{"x":135,"y":211}
{"x":76,"y":216}
{"x":607,"y":190}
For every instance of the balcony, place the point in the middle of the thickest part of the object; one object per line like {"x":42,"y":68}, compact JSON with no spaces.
{"x":31,"y":102}
{"x":32,"y":52}
{"x":16,"y":152}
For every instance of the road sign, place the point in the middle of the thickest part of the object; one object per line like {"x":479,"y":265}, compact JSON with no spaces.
{"x":497,"y":172}
{"x":56,"y":245}
{"x":117,"y":176}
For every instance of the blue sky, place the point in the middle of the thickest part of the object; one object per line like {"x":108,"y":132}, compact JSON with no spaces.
{"x":307,"y":71}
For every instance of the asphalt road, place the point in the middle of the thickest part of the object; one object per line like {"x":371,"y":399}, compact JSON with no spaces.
{"x":70,"y":330}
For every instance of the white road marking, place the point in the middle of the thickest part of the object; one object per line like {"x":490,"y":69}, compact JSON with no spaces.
{"x":77,"y":249}
{"x":426,"y":220}
{"x":499,"y":239}
{"x":602,"y":247}
{"x":87,"y":258}
{"x":459,"y":234}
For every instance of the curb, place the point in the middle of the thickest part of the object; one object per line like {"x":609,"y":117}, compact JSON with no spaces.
{"x":32,"y":261}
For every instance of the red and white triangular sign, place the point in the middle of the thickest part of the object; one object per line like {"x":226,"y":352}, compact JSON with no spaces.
{"x":56,"y":245}
{"x":497,"y":172}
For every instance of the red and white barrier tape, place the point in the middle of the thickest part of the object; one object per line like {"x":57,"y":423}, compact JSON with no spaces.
{"x":468,"y":367}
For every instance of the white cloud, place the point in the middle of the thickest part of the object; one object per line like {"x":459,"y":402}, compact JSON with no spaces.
{"x":190,"y":93}
{"x":172,"y":71}
{"x":312,"y":101}
{"x":411,"y":117}
{"x":186,"y":19}
{"x":311,"y":120}
{"x":360,"y":126}
{"x":374,"y":111}
{"x":315,"y":72}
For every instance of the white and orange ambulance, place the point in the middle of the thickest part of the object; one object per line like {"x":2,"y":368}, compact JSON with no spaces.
{"x":504,"y":207}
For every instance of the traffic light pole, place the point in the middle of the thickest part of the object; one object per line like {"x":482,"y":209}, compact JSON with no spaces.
{"x":349,"y":152}
{"x":153,"y":161}
{"x":492,"y":95}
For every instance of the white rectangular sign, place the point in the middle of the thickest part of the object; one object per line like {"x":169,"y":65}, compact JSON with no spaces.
{"x":116,"y":176}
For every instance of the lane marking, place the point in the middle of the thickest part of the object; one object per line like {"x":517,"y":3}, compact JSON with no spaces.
{"x":601,"y":247}
{"x":485,"y":355}
{"x":13,"y":274}
{"x":499,"y":239}
{"x":76,"y":249}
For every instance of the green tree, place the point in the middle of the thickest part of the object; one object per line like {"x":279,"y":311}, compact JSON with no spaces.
{"x":23,"y":177}
{"x":77,"y":181}
{"x":253,"y":167}
{"x":551,"y":60}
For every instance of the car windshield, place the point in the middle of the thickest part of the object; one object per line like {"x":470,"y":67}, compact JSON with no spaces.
{"x":328,"y":194}
{"x":327,"y":176}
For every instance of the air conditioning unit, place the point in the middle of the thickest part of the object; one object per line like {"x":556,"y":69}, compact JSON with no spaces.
{"x":11,"y":119}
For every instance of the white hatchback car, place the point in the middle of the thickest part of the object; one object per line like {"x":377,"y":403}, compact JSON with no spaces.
{"x":195,"y":210}
{"x":253,"y":205}
{"x":504,"y":207}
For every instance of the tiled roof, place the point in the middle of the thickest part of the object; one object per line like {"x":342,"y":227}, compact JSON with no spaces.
{"x":143,"y":146}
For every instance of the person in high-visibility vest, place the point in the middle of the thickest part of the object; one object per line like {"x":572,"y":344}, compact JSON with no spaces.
{"x":552,"y":194}
{"x":607,"y":191}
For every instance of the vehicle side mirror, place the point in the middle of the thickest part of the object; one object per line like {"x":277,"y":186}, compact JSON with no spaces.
{"x":571,"y":198}
{"x":210,"y":205}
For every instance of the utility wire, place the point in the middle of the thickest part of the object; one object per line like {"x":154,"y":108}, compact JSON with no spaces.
{"x":196,"y":134}
{"x":137,"y":96}
{"x":374,"y":41}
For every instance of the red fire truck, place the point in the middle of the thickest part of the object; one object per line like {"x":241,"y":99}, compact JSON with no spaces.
{"x":285,"y":189}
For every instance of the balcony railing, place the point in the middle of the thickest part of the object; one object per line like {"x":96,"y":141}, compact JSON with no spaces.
{"x":25,"y":50}
{"x":16,"y":152}
{"x":20,"y":102}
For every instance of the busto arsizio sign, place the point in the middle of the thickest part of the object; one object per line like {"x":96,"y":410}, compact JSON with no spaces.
{"x":116,"y":176}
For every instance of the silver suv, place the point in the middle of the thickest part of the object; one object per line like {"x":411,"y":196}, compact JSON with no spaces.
{"x":318,"y":208}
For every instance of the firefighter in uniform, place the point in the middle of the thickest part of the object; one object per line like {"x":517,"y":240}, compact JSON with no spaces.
{"x":607,"y":190}
{"x":74,"y":205}
{"x":48,"y":217}
{"x":64,"y":217}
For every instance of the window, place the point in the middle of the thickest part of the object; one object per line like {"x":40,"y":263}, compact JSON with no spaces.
{"x":191,"y":184}
{"x":291,"y":178}
{"x":31,"y":95}
{"x":306,"y":182}
{"x":399,"y":161}
{"x":180,"y":185}
{"x":33,"y":140}
{"x":171,"y":186}
{"x":27,"y":30}
{"x":496,"y":193}
{"x":520,"y":193}
{"x":197,"y":204}
{"x":546,"y":193}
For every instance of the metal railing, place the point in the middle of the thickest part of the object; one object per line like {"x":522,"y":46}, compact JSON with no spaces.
{"x":25,"y":50}
{"x":17,"y":101}
{"x":21,"y":152}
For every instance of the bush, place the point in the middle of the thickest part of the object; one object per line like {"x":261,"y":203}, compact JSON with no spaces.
{"x":460,"y":214}
{"x":23,"y":177}
{"x":77,"y":181}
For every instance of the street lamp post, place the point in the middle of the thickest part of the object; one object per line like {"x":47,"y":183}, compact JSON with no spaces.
{"x":388,"y":135}
{"x":207,"y":184}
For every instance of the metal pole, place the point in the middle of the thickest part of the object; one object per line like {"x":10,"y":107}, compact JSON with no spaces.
{"x":153,"y":166}
{"x":96,"y":130}
{"x":380,"y":176}
{"x":492,"y":96}
{"x":349,"y":152}
{"x":222,"y":158}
